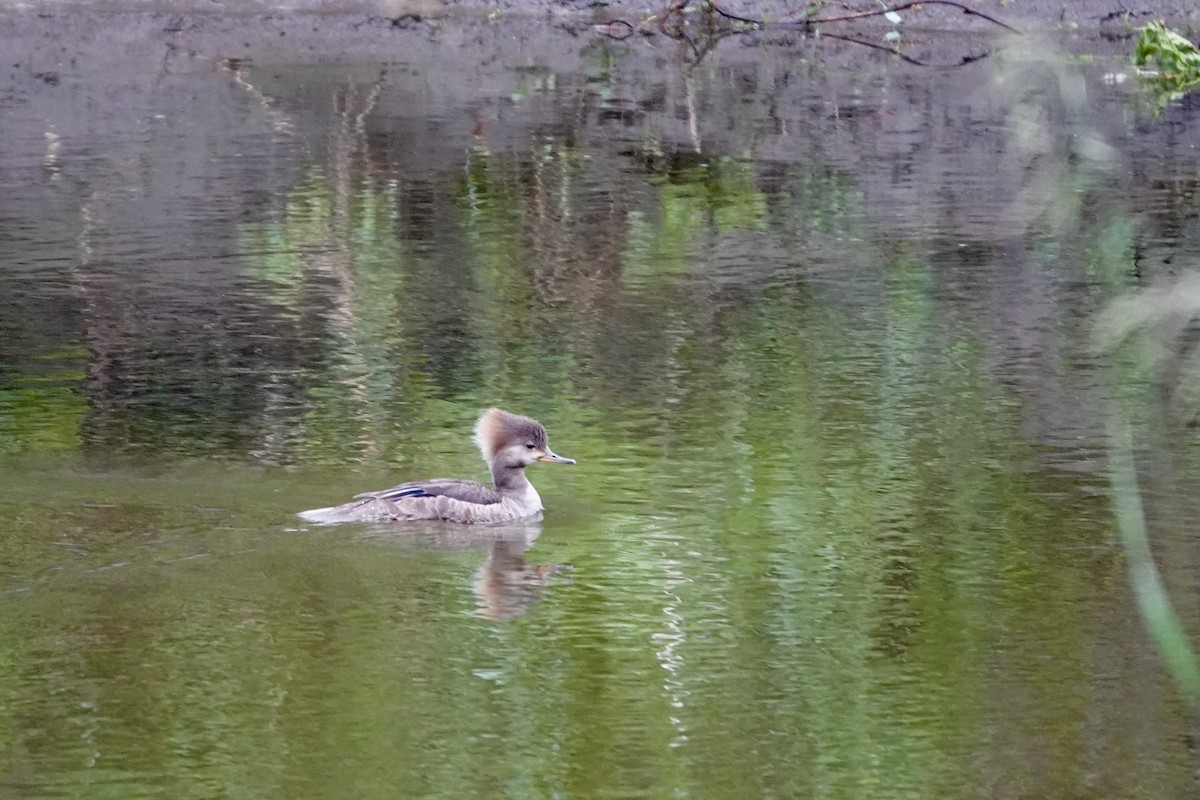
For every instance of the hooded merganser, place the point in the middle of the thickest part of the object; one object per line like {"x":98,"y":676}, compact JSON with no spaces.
{"x":509,"y":443}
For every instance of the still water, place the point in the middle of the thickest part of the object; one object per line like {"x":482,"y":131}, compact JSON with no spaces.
{"x":817,"y":326}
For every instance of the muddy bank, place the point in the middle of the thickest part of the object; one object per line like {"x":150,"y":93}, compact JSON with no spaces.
{"x":271,"y":17}
{"x":465,"y":36}
{"x":1081,"y":12}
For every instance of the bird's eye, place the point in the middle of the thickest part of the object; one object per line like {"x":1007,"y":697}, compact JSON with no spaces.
{"x":529,"y":445}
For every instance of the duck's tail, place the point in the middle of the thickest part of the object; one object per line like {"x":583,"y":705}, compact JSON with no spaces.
{"x":354,"y":511}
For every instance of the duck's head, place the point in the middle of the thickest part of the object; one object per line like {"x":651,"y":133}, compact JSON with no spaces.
{"x":510,"y":440}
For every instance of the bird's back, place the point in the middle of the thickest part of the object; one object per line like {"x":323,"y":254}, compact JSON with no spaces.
{"x":449,"y":499}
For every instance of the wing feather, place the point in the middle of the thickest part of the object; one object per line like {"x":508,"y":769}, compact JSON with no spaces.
{"x":467,"y":491}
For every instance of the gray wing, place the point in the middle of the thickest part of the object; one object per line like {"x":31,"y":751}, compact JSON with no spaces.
{"x":454,"y":488}
{"x":440,"y":498}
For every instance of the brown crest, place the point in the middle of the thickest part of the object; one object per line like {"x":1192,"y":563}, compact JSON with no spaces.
{"x":497,"y":429}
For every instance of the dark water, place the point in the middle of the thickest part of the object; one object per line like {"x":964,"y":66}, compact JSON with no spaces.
{"x":817,"y":325}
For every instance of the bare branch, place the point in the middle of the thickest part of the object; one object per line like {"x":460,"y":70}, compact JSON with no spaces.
{"x":858,"y":15}
{"x":878,"y":12}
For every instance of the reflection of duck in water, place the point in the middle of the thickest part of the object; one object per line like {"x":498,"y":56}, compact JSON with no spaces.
{"x":507,"y":586}
{"x":509,"y":443}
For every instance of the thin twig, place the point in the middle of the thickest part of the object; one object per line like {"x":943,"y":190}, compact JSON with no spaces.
{"x":675,"y":8}
{"x":735,"y":17}
{"x":875,"y":13}
{"x":603,"y":29}
{"x":898,"y":54}
{"x":858,"y":15}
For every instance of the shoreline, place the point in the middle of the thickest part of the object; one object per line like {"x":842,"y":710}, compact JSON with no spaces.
{"x":1037,"y":16}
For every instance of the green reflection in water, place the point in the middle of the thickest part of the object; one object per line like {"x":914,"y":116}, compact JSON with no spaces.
{"x":721,"y":197}
{"x":42,"y":409}
{"x":33,"y":418}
